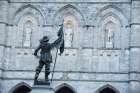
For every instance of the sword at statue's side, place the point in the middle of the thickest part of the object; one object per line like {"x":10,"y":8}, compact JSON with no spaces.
{"x":61,"y":47}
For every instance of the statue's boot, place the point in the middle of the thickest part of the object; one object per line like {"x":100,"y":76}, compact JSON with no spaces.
{"x":47,"y":78}
{"x":47,"y":75}
{"x":35,"y":79}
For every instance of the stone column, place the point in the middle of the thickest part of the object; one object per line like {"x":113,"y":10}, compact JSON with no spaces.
{"x":135,"y":48}
{"x":3,"y":24}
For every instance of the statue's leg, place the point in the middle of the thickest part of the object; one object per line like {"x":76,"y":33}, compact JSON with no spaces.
{"x":47,"y":70}
{"x":38,"y":69}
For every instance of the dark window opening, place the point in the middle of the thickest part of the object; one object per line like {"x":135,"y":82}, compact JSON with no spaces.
{"x":22,"y":89}
{"x":64,"y":90}
{"x":107,"y":90}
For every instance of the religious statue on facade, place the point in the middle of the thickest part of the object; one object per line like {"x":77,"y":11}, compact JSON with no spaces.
{"x":45,"y":54}
{"x":110,"y":35}
{"x":109,"y":38}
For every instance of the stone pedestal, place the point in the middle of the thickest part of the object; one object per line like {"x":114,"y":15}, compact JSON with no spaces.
{"x":42,"y":89}
{"x":109,"y":45}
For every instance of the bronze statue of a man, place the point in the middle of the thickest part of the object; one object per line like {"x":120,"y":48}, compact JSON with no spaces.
{"x":46,"y":57}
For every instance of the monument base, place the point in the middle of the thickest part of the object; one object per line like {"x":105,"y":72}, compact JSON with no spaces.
{"x":42,"y":89}
{"x":42,"y":83}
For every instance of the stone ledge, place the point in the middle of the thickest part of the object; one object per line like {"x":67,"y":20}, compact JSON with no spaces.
{"x":95,"y":72}
{"x":101,"y":80}
{"x":74,"y":1}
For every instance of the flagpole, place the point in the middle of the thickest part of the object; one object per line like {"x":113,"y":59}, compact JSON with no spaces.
{"x":54,"y":65}
{"x":56,"y":58}
{"x":55,"y":62}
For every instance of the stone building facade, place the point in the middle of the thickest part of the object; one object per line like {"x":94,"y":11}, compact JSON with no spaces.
{"x":102,"y":39}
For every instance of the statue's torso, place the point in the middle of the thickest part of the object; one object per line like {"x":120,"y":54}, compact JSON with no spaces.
{"x":46,"y":52}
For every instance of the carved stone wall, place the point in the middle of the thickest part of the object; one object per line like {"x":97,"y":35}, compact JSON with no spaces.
{"x":102,"y":43}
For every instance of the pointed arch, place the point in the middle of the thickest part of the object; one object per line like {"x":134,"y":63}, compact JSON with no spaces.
{"x":26,"y":6}
{"x":19,"y":87}
{"x":24,"y":14}
{"x":68,"y":10}
{"x":110,"y":7}
{"x":107,"y":86}
{"x":29,"y":10}
{"x":64,"y":85}
{"x":114,"y":14}
{"x":111,"y":10}
{"x":69,"y":6}
{"x":114,"y":30}
{"x":115,"y":18}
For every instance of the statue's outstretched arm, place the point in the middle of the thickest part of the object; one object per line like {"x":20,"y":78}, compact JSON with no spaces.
{"x":60,"y":39}
{"x":38,"y":48}
{"x":56,"y":42}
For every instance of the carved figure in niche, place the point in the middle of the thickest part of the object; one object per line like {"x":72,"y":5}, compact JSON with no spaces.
{"x":110,"y":35}
{"x":27,"y":34}
{"x":68,"y":34}
{"x":109,"y":30}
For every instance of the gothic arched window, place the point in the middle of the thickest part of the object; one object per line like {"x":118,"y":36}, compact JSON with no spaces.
{"x":69,"y":27}
{"x":27,"y":33}
{"x":21,"y":88}
{"x":111,"y":27}
{"x":65,"y":89}
{"x":107,"y":90}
